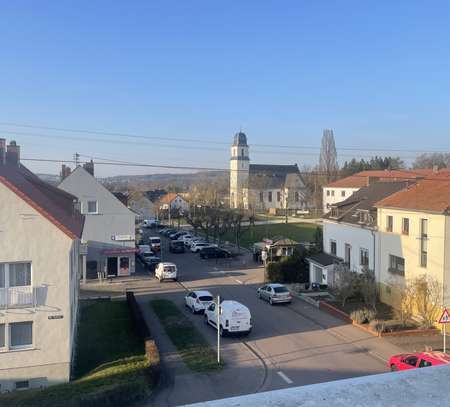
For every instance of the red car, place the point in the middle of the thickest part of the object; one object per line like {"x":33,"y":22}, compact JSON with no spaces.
{"x":408,"y":361}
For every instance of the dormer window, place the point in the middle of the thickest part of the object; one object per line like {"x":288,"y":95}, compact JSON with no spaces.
{"x":334,"y":212}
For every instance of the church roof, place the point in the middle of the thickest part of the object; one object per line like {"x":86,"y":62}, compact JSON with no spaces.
{"x":264,"y":176}
{"x":240,"y":139}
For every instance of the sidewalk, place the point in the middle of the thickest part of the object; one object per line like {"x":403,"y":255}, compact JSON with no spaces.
{"x":375,"y":346}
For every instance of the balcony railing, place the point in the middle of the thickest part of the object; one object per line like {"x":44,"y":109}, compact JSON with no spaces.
{"x":17,"y":297}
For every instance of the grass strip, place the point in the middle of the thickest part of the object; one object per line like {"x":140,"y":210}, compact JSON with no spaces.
{"x":195,"y":351}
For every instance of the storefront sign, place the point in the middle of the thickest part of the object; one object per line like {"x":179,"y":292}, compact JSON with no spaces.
{"x":122,"y":238}
{"x":55,"y":316}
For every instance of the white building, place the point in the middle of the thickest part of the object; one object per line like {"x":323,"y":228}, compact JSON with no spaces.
{"x":263,"y":187}
{"x":109,"y":227}
{"x":350,"y":232}
{"x":342,"y":189}
{"x":173,"y":201}
{"x":40,"y":261}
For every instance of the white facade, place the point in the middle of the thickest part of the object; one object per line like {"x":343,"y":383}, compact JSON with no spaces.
{"x":356,"y":245}
{"x":239,"y":173}
{"x":334,"y":195}
{"x":176,"y":203}
{"x":39,"y":272}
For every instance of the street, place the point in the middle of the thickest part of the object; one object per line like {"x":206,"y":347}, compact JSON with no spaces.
{"x":290,"y":345}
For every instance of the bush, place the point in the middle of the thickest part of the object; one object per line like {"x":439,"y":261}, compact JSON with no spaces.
{"x":293,"y":269}
{"x":377,"y":325}
{"x":363,"y":315}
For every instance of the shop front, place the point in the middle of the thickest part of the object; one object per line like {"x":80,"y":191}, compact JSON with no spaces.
{"x":119,"y":262}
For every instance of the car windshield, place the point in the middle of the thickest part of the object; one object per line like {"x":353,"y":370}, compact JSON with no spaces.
{"x":176,"y":243}
{"x":155,"y":240}
{"x":280,"y":289}
{"x":205,"y":298}
{"x":169,"y":269}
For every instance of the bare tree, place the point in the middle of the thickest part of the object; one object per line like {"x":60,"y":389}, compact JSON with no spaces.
{"x":345,"y":282}
{"x":328,"y":156}
{"x":429,"y":160}
{"x":368,"y":288}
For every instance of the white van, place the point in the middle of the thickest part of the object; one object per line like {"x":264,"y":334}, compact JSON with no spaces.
{"x":234,"y":317}
{"x":166,"y":271}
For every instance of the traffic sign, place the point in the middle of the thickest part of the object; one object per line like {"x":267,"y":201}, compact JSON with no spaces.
{"x":445,"y":317}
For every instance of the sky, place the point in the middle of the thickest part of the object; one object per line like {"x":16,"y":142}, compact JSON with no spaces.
{"x":377,"y":73}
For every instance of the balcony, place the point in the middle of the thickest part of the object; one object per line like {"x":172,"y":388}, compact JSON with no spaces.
{"x":17,"y":297}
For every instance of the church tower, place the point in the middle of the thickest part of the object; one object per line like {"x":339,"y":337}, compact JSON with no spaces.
{"x":239,"y":171}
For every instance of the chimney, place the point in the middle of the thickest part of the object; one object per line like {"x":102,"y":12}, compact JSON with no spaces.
{"x":2,"y":151}
{"x":65,"y":172}
{"x":371,"y":180}
{"x":13,"y":154}
{"x":89,"y":167}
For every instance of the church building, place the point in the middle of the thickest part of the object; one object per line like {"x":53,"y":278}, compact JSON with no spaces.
{"x":263,"y":187}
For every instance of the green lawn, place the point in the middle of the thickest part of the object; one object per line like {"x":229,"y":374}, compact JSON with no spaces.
{"x":195,"y":351}
{"x":111,"y":365}
{"x":300,"y":232}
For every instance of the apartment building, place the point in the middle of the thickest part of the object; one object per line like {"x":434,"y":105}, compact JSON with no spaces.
{"x":414,"y":237}
{"x":40,"y":263}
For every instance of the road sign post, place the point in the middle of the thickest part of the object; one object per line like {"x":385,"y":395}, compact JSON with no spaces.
{"x":218,"y":329}
{"x":445,"y":319}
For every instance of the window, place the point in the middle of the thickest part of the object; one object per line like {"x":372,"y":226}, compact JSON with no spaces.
{"x":389,"y":223}
{"x":297,"y":197}
{"x":425,"y":363}
{"x":278,"y":196}
{"x":396,"y":265}
{"x":21,"y":334}
{"x":405,"y":226}
{"x":343,"y":193}
{"x":363,"y":257}
{"x":23,"y":384}
{"x":261,"y":197}
{"x":270,"y":196}
{"x":2,"y":276}
{"x":2,"y":336}
{"x":334,"y":212}
{"x":348,"y":254}
{"x":423,"y":242}
{"x":19,"y":274}
{"x":328,"y":192}
{"x":92,"y":207}
{"x":333,"y":247}
{"x":332,"y":193}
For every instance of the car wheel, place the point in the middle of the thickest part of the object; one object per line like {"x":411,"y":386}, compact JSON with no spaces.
{"x":222,"y":331}
{"x":394,"y":368}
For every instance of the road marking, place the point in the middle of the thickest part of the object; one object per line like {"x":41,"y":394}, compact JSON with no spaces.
{"x":238,"y":281}
{"x":285,"y":378}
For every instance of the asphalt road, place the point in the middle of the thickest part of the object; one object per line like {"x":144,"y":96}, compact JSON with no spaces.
{"x":290,"y":345}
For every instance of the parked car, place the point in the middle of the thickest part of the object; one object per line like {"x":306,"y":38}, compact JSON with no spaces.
{"x":274,"y":293}
{"x":142,"y":248}
{"x":166,"y":271}
{"x":150,"y":258}
{"x":169,"y":231}
{"x":214,"y":253}
{"x":186,"y":238}
{"x":198,"y":301}
{"x":408,"y":361}
{"x":190,"y":242}
{"x":155,"y":243}
{"x":234,"y":317}
{"x":176,"y":246}
{"x":177,"y":235}
{"x":150,"y":223}
{"x":197,"y":246}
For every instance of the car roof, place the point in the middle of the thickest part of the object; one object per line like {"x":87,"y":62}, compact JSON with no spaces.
{"x":231,"y":304}
{"x":154,"y":237}
{"x":274,"y":285}
{"x":202,"y":292}
{"x":165,"y":263}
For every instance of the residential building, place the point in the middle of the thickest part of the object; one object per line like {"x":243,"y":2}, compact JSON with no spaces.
{"x":40,"y":261}
{"x":263,"y":187}
{"x":173,"y":201}
{"x":350,"y":229}
{"x":109,"y":226}
{"x":414,"y":237}
{"x":142,"y":206}
{"x":155,"y":194}
{"x":342,"y":189}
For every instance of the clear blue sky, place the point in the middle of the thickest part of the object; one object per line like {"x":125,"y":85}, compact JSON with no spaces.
{"x":376,"y":72}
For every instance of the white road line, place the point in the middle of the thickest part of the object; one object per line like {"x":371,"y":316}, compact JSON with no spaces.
{"x":238,"y":281}
{"x":285,"y":378}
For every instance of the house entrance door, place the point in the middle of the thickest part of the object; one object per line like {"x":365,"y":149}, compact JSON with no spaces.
{"x":112,"y":266}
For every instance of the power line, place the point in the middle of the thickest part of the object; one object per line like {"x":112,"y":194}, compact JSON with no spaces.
{"x":203,"y":141}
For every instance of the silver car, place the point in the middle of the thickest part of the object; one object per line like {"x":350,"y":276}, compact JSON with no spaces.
{"x":274,"y":293}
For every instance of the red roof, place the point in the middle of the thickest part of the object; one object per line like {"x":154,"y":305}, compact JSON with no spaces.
{"x":431,"y":194}
{"x":168,"y":198}
{"x":360,"y":179}
{"x":52,"y":203}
